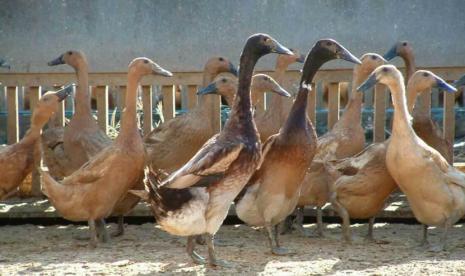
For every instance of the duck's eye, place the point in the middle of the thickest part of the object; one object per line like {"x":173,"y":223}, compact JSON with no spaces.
{"x":266,"y":78}
{"x":425,"y":74}
{"x":223,"y":80}
{"x":70,"y":53}
{"x":221,"y":59}
{"x":385,"y":70}
{"x":266,"y":39}
{"x":404,"y":44}
{"x":292,"y":50}
{"x":329,"y":43}
{"x":374,"y":57}
{"x":146,"y":61}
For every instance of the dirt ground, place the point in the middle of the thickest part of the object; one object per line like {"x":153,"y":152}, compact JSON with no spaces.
{"x":146,"y":250}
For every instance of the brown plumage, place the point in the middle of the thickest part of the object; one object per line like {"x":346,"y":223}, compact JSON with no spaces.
{"x":18,"y":160}
{"x":235,"y":153}
{"x":91,"y":193}
{"x":345,"y":139}
{"x":424,"y":126}
{"x":174,"y":142}
{"x":269,"y":121}
{"x":273,"y":191}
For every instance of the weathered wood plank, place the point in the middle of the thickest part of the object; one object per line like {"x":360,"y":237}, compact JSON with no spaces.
{"x":168,"y":101}
{"x":380,"y":113}
{"x":12,"y":119}
{"x":333,"y":103}
{"x":147,"y":107}
{"x":101,"y":95}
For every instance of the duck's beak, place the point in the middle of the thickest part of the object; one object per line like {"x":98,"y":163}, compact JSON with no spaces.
{"x":59,"y":60}
{"x":281,"y":91}
{"x":158,"y":70}
{"x":64,"y":92}
{"x":233,"y":69}
{"x":444,"y":85}
{"x":5,"y":64}
{"x":209,"y":89}
{"x":280,"y":49}
{"x":368,"y":83}
{"x":344,"y":54}
{"x":460,"y":81}
{"x":301,"y":58}
{"x":392,"y":53}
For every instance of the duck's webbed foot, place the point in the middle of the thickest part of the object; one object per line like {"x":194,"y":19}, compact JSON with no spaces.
{"x":190,"y":251}
{"x":212,"y":260}
{"x":120,"y":230}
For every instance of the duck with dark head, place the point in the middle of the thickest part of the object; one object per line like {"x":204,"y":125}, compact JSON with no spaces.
{"x":235,"y":152}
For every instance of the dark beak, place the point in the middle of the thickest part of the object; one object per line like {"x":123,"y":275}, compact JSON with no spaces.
{"x":301,"y":59}
{"x":392,"y":53}
{"x":65,"y":92}
{"x":209,"y":89}
{"x":344,"y":54}
{"x":440,"y":83}
{"x":158,"y":70}
{"x":368,"y":83}
{"x":280,"y":49}
{"x":282,"y":92}
{"x":233,"y":69}
{"x":460,"y":81}
{"x":59,"y":60}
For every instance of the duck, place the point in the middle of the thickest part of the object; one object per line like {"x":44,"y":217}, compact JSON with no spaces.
{"x":428,"y":130}
{"x":269,"y":121}
{"x":184,"y":209}
{"x":173,"y":143}
{"x":435,"y":190}
{"x":346,"y":138}
{"x":67,"y":149}
{"x":19,"y":159}
{"x":273,"y":191}
{"x":91,"y":192}
{"x":4,"y":64}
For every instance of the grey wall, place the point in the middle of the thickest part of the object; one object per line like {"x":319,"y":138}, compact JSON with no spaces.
{"x":181,"y":35}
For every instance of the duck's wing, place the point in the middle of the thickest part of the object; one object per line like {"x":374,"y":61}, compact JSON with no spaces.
{"x":93,"y":144}
{"x":452,"y":175}
{"x":213,"y":158}
{"x":266,"y":148}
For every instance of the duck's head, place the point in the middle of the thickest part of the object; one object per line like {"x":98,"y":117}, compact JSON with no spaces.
{"x":370,"y":61}
{"x":329,"y":49}
{"x":262,"y":83}
{"x":4,"y":64}
{"x":73,"y":58}
{"x":460,"y":82}
{"x":386,"y":74}
{"x":217,"y":65}
{"x":48,"y":104}
{"x":286,"y":60}
{"x":262,"y":44}
{"x":225,"y":84}
{"x":423,"y":80}
{"x":143,"y":66}
{"x":400,"y":49}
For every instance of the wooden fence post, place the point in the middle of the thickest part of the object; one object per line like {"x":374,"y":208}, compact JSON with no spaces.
{"x":101,"y":95}
{"x":449,"y":117}
{"x":12,"y":103}
{"x":168,"y":102}
{"x":191,"y":96}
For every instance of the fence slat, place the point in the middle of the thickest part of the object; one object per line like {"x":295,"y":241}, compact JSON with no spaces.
{"x":168,"y":102}
{"x":147,"y":107}
{"x":311,"y":106}
{"x":449,"y":117}
{"x":379,"y":123}
{"x":333,"y":104}
{"x":191,"y":96}
{"x":101,"y":95}
{"x":13,"y":123}
{"x":34,"y":96}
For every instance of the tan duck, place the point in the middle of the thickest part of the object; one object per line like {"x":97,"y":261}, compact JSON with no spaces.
{"x":18,"y":160}
{"x":269,"y":121}
{"x":91,"y":193}
{"x":183,"y":209}
{"x":345,"y":139}
{"x":273,"y":191}
{"x":435,"y":189}
{"x":174,"y":142}
{"x":82,"y":137}
{"x":424,"y":126}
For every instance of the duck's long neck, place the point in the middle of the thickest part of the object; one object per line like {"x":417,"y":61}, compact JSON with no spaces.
{"x":129,"y":119}
{"x":82,"y":99}
{"x":38,"y":121}
{"x":353,"y":109}
{"x":279,"y":75}
{"x":241,"y":111}
{"x":422,"y":110}
{"x":298,"y":115}
{"x":410,"y":65}
{"x":402,"y":119}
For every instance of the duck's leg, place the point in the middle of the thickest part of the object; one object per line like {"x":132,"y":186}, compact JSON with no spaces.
{"x":298,"y":223}
{"x":345,"y":219}
{"x":442,"y":242}
{"x":102,"y":230}
{"x":319,"y":221}
{"x":120,"y":230}
{"x":274,"y":242}
{"x":371,"y":223}
{"x":424,"y":240}
{"x":191,"y":252}
{"x":286,"y":225}
{"x":212,"y":260}
{"x":93,"y":234}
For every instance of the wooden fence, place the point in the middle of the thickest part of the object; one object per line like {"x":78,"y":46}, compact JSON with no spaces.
{"x":32,"y":84}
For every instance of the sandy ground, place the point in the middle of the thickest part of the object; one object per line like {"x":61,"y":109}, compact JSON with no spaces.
{"x":145,"y":249}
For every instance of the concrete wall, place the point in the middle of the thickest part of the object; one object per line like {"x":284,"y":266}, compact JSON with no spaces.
{"x":181,"y":34}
